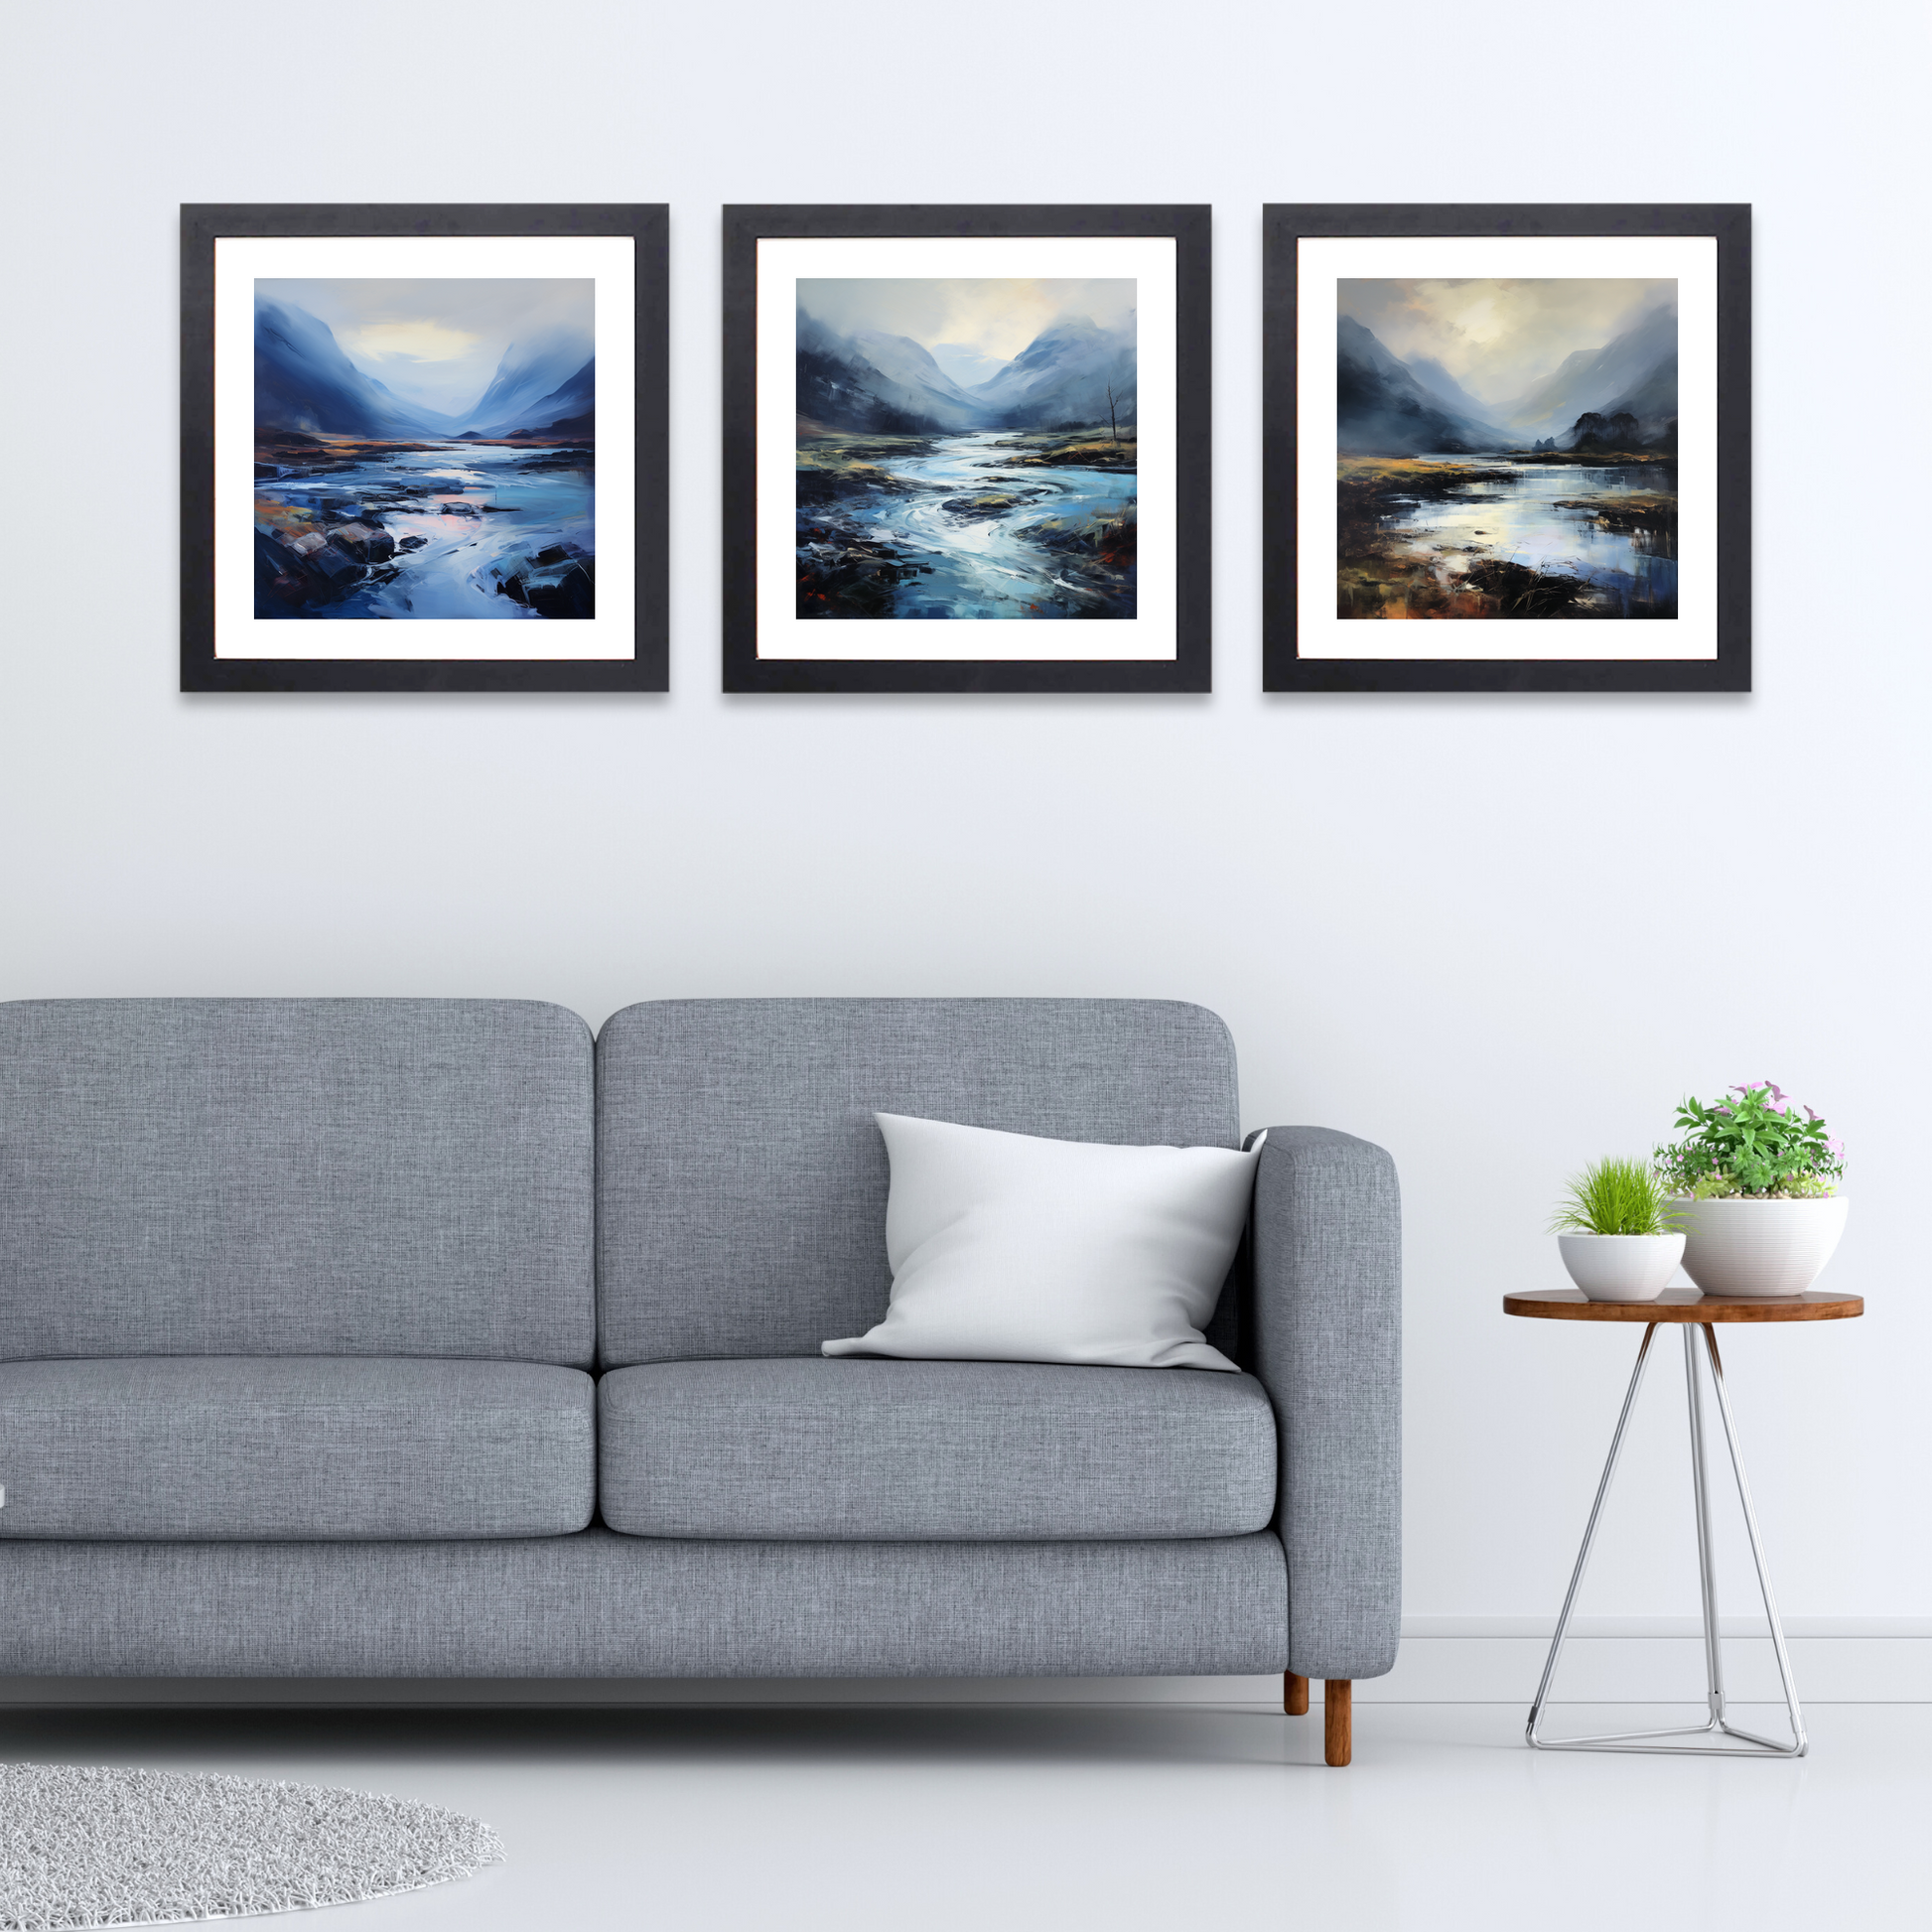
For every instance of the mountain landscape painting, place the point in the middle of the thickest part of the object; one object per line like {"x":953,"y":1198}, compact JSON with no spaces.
{"x":1507,"y":448}
{"x":966,"y":448}
{"x":425,"y":449}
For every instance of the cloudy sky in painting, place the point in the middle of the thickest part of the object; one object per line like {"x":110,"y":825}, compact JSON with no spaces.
{"x":983,"y":322}
{"x":1499,"y":339}
{"x":437,"y":340}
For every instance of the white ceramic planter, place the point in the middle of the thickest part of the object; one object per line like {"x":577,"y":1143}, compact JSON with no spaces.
{"x":1621,"y":1266}
{"x":1760,"y":1247}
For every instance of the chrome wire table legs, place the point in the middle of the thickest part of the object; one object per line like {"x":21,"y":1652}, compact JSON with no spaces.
{"x":1715,"y":1724}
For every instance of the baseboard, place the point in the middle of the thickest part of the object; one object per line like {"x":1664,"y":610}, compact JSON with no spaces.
{"x":1643,"y":1660}
{"x":1444,"y":1660}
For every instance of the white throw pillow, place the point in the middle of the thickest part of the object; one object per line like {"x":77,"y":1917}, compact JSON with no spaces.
{"x":1006,"y":1248}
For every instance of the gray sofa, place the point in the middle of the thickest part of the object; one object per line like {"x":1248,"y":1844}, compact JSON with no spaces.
{"x":420,"y":1338}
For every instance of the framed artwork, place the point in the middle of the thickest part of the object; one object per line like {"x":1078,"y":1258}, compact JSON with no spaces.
{"x":1508,"y":449}
{"x":423,"y":448}
{"x":966,"y":449}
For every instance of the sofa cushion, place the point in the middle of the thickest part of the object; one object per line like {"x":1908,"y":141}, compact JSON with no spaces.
{"x":900,"y":1450}
{"x":294,"y":1177}
{"x":294,"y":1446}
{"x":742,"y":1180}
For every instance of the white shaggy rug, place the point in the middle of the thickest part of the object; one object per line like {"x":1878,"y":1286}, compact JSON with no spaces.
{"x":82,"y":1847}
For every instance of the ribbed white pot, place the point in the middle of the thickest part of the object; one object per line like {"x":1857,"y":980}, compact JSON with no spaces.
{"x":1760,"y":1247}
{"x":1621,"y":1266}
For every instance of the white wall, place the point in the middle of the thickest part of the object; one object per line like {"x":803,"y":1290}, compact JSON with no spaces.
{"x":1498,"y":934}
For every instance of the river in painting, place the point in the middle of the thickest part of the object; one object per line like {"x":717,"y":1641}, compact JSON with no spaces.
{"x":982,"y":525}
{"x":434,"y":531}
{"x":967,"y":448}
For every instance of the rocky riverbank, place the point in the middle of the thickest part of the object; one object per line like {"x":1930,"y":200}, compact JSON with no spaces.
{"x":1087,"y":449}
{"x":833,"y":465}
{"x":379,"y":541}
{"x":1653,"y":514}
{"x":846,"y":569}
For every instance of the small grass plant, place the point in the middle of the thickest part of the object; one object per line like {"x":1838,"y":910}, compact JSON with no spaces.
{"x":1615,"y":1196}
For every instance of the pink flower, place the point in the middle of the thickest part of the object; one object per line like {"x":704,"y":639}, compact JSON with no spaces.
{"x":1835,"y":1147}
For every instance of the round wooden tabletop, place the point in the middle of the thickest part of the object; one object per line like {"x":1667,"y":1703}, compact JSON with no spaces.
{"x":1686,"y":1304}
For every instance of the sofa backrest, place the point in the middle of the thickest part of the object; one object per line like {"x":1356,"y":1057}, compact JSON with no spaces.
{"x":742,"y":1178}
{"x":295,"y":1176}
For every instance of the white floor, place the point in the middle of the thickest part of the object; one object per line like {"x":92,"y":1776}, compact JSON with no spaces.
{"x":927,"y":1820}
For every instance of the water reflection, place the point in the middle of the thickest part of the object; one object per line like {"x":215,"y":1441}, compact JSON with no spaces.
{"x":461,"y":529}
{"x":1513,"y":539}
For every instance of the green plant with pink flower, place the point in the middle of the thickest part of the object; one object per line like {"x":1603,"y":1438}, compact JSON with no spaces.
{"x":1754,"y":1147}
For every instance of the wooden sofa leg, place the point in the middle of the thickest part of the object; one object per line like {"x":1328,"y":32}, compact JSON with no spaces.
{"x":1295,"y":1695}
{"x":1337,"y":1730}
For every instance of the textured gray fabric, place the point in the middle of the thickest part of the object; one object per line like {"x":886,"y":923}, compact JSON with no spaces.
{"x":1327,"y":1343}
{"x":295,"y":1176}
{"x":95,"y":1845}
{"x":605,"y":1605}
{"x":742,"y":1180}
{"x":294,"y":1446}
{"x":855,"y":1448}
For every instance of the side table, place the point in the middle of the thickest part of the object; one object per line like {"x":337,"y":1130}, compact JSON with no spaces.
{"x":1697,"y":1314}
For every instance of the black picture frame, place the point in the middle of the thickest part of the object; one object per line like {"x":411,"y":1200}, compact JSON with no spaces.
{"x":1189,"y":670}
{"x":647,"y":224}
{"x":1285,"y":669}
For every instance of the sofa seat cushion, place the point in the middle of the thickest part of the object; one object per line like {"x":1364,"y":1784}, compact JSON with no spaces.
{"x":273,"y":1447}
{"x":903,"y":1451}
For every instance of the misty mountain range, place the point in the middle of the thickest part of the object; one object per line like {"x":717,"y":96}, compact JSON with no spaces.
{"x":1386,"y":406}
{"x":304,"y":381}
{"x":889,"y":384}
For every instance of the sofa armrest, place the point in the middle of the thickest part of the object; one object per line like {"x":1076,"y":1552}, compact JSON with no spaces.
{"x":1326,"y":1342}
